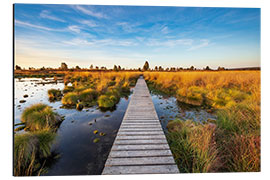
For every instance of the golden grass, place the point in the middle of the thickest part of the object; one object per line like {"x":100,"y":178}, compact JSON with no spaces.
{"x":236,"y":97}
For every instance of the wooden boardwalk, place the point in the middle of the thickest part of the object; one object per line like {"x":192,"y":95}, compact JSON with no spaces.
{"x":140,"y":146}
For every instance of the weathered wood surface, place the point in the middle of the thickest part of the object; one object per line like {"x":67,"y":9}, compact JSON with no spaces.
{"x":140,"y":146}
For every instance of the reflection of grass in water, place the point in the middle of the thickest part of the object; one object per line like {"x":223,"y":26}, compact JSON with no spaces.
{"x":30,"y":152}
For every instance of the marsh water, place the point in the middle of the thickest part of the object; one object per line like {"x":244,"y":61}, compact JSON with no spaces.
{"x":77,"y":154}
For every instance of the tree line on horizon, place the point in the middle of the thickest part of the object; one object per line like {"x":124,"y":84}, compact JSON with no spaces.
{"x":145,"y":67}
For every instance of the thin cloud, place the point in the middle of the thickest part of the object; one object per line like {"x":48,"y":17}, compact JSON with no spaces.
{"x":127,"y":26}
{"x":165,"y":30}
{"x":46,"y":14}
{"x":89,"y":23}
{"x":91,"y":13}
{"x":170,"y":43}
{"x":26,"y":24}
{"x":204,"y":43}
{"x":101,"y":42}
{"x":74,"y":28}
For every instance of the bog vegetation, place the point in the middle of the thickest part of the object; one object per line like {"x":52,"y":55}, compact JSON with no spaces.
{"x":32,"y":148}
{"x":86,"y":89}
{"x":232,"y":143}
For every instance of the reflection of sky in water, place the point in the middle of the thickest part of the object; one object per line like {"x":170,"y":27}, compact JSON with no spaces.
{"x":168,"y":109}
{"x":37,"y":93}
{"x":74,"y":141}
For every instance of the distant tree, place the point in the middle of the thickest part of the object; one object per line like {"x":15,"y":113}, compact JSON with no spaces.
{"x":115,"y":68}
{"x":119,"y":68}
{"x":160,"y":68}
{"x":77,"y":67}
{"x":167,"y":69}
{"x":146,"y":66}
{"x":221,"y":69}
{"x":91,"y":67}
{"x":207,"y":68}
{"x":97,"y":68}
{"x":139,"y":69}
{"x":172,"y":69}
{"x":191,"y":68}
{"x":43,"y":68}
{"x":18,"y":67}
{"x":64,"y":66}
{"x":31,"y":68}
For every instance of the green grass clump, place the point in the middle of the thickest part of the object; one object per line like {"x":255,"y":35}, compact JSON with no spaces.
{"x":193,"y":146}
{"x":30,"y":150}
{"x":106,"y":101}
{"x":70,"y":99}
{"x":54,"y":94}
{"x":39,"y":117}
{"x":87,"y":96}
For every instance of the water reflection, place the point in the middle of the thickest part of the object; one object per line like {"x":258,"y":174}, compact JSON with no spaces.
{"x":168,"y":108}
{"x":74,"y":148}
{"x":77,"y":153}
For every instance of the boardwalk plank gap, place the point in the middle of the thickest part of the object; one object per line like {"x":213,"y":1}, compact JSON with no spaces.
{"x":140,"y":146}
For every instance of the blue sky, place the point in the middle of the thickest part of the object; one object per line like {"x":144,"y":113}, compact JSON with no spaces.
{"x":46,"y":35}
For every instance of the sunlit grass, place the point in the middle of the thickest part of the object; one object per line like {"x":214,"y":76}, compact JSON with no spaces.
{"x":30,"y":150}
{"x":39,"y":117}
{"x":235,"y":96}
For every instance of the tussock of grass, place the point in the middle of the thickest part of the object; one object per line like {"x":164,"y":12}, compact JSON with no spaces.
{"x":193,"y":146}
{"x":30,"y":149}
{"x":70,"y":99}
{"x":106,"y":101}
{"x":39,"y":117}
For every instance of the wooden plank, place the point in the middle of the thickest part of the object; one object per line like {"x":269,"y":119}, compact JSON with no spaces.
{"x":140,"y":129}
{"x":141,"y":137}
{"x":140,"y":133}
{"x":154,"y":169}
{"x":140,"y":153}
{"x":140,"y":147}
{"x":140,"y":161}
{"x":140,"y":141}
